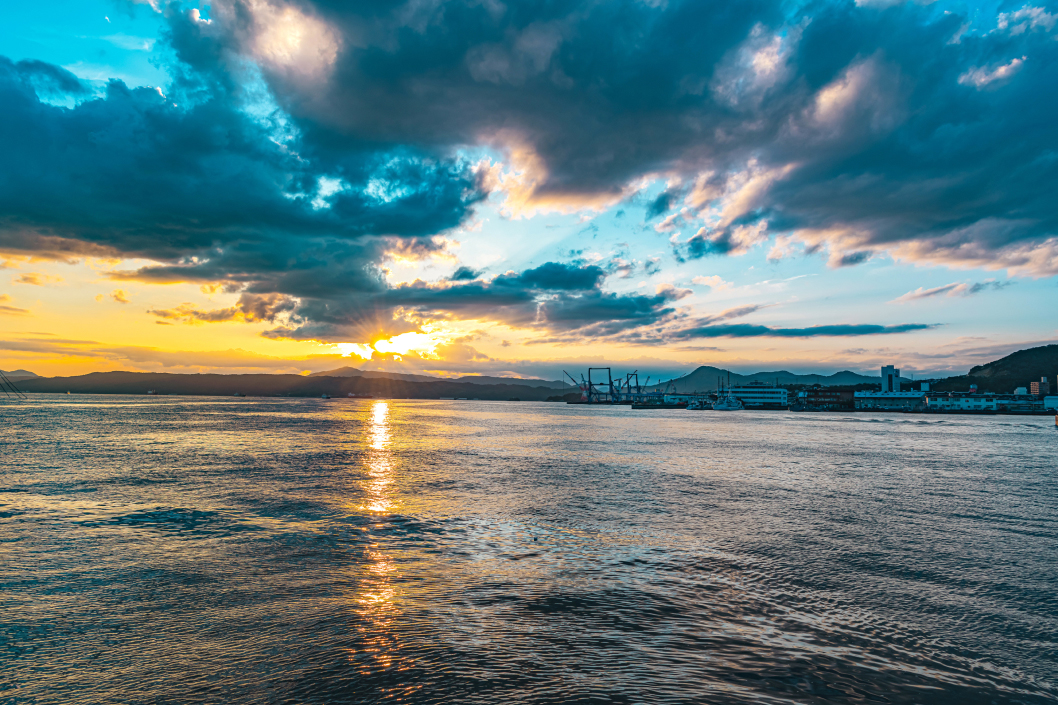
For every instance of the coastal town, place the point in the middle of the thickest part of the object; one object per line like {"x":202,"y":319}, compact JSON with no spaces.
{"x":889,"y":396}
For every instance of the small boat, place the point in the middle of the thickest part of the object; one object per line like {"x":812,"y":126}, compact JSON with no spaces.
{"x":238,"y":394}
{"x":728,"y":403}
{"x":699,"y":405}
{"x":152,"y":392}
{"x":325,"y":396}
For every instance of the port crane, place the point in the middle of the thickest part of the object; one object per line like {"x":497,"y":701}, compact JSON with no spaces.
{"x":9,"y":388}
{"x":611,"y":391}
{"x":589,"y":390}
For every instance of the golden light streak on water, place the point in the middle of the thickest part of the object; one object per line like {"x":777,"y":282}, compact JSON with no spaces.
{"x":376,"y":593}
{"x":380,"y":461}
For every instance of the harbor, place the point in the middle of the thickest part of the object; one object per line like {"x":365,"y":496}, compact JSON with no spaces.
{"x":600,"y":386}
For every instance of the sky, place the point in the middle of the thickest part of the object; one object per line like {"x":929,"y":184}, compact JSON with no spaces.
{"x":521,"y":188}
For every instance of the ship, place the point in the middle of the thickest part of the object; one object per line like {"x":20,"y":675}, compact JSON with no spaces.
{"x":728,"y":403}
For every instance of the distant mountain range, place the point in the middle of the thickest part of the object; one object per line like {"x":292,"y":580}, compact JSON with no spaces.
{"x":1001,"y":376}
{"x":467,"y":379}
{"x":267,"y":385}
{"x":704,"y":379}
{"x":19,"y":374}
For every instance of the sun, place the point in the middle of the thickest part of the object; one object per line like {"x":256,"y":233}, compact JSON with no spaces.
{"x":423,"y":343}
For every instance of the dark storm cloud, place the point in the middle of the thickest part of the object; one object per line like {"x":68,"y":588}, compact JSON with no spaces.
{"x":902,"y":130}
{"x":463,"y":274}
{"x":307,"y":267}
{"x":647,"y":321}
{"x":925,"y":161}
{"x":553,"y":297}
{"x":47,"y":79}
{"x":134,"y":173}
{"x":849,"y":259}
{"x":601,"y":91}
{"x":600,"y":313}
{"x":193,"y":181}
{"x":857,"y":129}
{"x":556,"y":276}
{"x":662,"y":204}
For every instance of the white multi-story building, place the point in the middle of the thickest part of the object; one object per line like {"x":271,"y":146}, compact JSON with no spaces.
{"x":760,"y":396}
{"x":961,"y":402}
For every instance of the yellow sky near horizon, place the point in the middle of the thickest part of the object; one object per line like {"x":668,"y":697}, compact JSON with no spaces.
{"x":66,"y":319}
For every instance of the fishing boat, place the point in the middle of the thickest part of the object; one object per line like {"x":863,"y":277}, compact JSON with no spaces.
{"x":699,"y":405}
{"x":728,"y":403}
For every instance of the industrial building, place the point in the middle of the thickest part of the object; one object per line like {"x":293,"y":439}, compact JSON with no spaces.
{"x":957,"y":401}
{"x":889,"y":401}
{"x":827,"y":399}
{"x":1020,"y":403}
{"x":761,"y":396}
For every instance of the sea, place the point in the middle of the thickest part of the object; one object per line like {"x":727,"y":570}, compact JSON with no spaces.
{"x":237,"y":550}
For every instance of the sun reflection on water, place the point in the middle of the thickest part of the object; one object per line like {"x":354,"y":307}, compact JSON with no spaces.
{"x":376,"y":593}
{"x":380,"y":462}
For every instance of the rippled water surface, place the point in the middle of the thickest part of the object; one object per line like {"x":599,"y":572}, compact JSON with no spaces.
{"x":240,"y":550}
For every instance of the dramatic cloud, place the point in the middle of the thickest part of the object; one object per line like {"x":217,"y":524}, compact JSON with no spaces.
{"x":554,"y":297}
{"x":856,"y":129}
{"x":554,"y":276}
{"x":191,"y":175}
{"x":304,"y":144}
{"x":249,"y":309}
{"x":463,"y":274}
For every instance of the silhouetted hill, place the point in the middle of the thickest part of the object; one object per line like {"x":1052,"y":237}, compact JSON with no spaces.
{"x":1004,"y":375}
{"x":704,"y":379}
{"x":19,"y":374}
{"x":277,"y":385}
{"x":468,"y":379}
